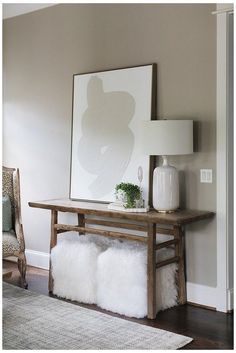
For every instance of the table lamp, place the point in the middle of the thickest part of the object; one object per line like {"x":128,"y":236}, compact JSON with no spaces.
{"x":166,"y":138}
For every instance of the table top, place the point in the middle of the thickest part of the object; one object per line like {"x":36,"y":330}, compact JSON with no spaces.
{"x":100,"y":209}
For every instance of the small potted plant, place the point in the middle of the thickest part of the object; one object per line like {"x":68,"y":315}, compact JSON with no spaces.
{"x":129,"y":195}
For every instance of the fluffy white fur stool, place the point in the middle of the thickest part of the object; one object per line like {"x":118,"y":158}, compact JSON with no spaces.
{"x":74,"y":269}
{"x":122,"y":280}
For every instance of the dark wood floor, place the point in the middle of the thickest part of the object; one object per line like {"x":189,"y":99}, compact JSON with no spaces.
{"x":209,"y":329}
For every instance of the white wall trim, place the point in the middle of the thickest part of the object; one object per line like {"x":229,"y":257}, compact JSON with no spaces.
{"x":208,"y":296}
{"x":201,"y":294}
{"x":223,"y":142}
{"x":221,"y":210}
{"x":230,"y":299}
{"x":37,"y":259}
{"x":218,"y":12}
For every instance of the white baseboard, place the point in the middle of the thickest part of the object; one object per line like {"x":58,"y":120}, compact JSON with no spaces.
{"x":230,"y":299}
{"x":202,"y":295}
{"x":37,"y":259}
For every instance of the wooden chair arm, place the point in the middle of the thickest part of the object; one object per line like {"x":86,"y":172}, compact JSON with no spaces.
{"x":20,"y":235}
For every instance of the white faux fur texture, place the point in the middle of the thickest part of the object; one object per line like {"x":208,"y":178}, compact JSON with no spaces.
{"x":111,"y":273}
{"x":74,"y":266}
{"x":122,"y":280}
{"x":166,"y":288}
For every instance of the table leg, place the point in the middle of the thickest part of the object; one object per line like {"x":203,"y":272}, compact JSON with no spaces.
{"x":179,"y":251}
{"x":151,"y":271}
{"x":81,"y":222}
{"x":53,"y":242}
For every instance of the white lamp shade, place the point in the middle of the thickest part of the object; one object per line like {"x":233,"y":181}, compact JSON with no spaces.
{"x":167,"y":137}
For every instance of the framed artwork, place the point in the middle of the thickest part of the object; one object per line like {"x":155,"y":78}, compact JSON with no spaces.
{"x":108,"y":107}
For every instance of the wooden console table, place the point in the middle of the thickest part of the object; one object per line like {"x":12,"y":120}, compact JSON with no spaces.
{"x":144,"y":222}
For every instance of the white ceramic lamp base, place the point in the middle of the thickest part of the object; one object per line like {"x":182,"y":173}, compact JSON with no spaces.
{"x":165,"y":188}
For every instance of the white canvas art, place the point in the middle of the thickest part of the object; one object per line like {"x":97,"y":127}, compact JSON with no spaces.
{"x":108,"y":107}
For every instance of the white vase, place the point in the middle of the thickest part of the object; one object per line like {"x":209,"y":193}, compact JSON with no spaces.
{"x":165,"y":188}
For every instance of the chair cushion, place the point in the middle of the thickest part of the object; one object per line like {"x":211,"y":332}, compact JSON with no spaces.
{"x":6,"y":214}
{"x":10,"y":244}
{"x":7,"y":187}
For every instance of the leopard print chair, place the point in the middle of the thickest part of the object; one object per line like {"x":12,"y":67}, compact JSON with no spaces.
{"x":13,"y":243}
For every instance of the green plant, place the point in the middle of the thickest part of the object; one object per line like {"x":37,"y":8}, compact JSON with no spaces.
{"x":132,"y":193}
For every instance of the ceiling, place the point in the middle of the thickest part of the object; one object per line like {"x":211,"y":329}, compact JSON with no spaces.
{"x":12,"y":10}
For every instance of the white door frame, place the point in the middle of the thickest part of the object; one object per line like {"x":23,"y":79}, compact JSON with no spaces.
{"x":224,"y":164}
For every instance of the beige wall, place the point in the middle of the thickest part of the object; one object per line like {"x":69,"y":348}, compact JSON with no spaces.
{"x":41,"y":52}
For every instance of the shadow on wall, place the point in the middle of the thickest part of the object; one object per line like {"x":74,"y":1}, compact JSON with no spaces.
{"x":204,"y":137}
{"x":196,"y":131}
{"x":184,"y":177}
{"x":182,"y":189}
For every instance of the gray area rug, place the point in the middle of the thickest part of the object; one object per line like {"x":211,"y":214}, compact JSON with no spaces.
{"x":34,"y":321}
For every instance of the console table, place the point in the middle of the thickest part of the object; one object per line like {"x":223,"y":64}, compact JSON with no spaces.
{"x":150,"y":223}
